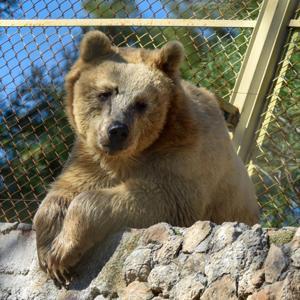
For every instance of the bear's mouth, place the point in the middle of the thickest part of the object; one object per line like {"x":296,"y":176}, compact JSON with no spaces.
{"x":112,"y":149}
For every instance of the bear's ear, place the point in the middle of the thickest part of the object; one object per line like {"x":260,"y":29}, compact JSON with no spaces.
{"x":70,"y":80}
{"x":94,"y":45}
{"x":169,"y":58}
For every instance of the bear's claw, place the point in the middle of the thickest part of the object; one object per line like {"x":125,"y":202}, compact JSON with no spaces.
{"x":57,"y":264}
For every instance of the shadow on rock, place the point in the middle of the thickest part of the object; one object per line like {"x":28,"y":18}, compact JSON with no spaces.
{"x":94,"y":260}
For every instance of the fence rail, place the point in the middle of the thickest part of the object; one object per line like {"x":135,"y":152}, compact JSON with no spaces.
{"x":136,"y":22}
{"x":247,"y":52}
{"x":130,"y":22}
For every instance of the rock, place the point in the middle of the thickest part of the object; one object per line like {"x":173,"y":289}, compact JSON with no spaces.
{"x":227,"y":234}
{"x":105,"y":262}
{"x":7,"y":227}
{"x":137,"y":291}
{"x":291,"y":286}
{"x":223,"y":288}
{"x":295,"y":257}
{"x":275,"y":264}
{"x":297,"y":235}
{"x":205,"y":245}
{"x":100,"y":272}
{"x":258,"y":278}
{"x":228,"y":261}
{"x":269,"y":292}
{"x":247,"y":253}
{"x":24,"y":227}
{"x":163,"y":278}
{"x":189,"y":287}
{"x":179,"y":230}
{"x":169,"y":250}
{"x":194,"y":263}
{"x":195,"y":235}
{"x":16,"y":252}
{"x":100,"y":297}
{"x":294,"y":244}
{"x":158,"y":233}
{"x":250,"y":282}
{"x":138,"y":265}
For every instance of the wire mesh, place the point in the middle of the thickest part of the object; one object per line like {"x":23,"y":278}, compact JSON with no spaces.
{"x":203,"y":9}
{"x":276,"y":153}
{"x":35,"y":137}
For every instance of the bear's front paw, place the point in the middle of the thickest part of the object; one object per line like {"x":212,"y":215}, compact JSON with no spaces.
{"x":63,"y":256}
{"x":48,"y":222}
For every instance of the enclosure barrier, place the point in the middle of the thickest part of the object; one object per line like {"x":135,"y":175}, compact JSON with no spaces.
{"x":247,"y":52}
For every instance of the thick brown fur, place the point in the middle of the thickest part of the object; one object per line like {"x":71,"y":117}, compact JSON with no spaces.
{"x":177,"y":165}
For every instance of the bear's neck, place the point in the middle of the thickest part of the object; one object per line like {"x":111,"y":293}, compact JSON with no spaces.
{"x":84,"y":158}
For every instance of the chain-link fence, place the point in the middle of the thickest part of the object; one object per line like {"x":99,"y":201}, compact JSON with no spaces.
{"x":160,"y":9}
{"x":275,"y":164}
{"x":35,"y":138}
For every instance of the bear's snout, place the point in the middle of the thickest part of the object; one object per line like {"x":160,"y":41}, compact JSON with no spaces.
{"x":117,"y":134}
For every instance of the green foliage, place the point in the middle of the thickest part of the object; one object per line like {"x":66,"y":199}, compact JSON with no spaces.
{"x":36,"y":138}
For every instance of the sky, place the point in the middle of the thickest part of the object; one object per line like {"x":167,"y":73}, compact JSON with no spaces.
{"x":22,"y":47}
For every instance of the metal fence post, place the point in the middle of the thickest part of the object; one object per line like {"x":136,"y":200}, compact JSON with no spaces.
{"x":258,"y":68}
{"x":266,"y":119}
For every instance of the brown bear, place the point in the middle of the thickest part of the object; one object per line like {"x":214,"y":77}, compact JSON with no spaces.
{"x":149,"y":147}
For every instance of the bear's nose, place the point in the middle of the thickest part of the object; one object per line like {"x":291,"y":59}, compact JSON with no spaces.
{"x":118,"y":133}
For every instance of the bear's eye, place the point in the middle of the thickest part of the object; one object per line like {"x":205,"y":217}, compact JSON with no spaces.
{"x":103,"y":96}
{"x":140,"y":106}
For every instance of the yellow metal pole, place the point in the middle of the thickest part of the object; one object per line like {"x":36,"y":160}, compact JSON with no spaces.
{"x":128,"y":22}
{"x":273,"y":100}
{"x":258,"y":68}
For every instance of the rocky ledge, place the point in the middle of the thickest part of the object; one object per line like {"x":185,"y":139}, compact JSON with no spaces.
{"x":205,"y":261}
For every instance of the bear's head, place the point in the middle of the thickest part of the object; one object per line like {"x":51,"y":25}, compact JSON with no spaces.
{"x":118,"y":98}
